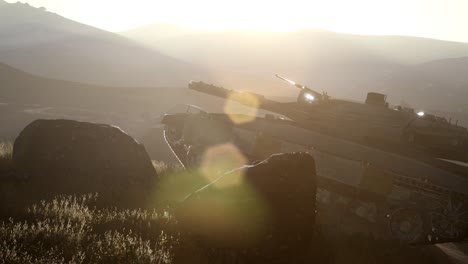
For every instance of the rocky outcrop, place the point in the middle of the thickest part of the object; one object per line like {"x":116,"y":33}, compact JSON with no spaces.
{"x":271,"y":200}
{"x":79,"y":157}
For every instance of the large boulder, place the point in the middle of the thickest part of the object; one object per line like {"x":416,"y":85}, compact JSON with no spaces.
{"x":81,"y":157}
{"x":271,"y":200}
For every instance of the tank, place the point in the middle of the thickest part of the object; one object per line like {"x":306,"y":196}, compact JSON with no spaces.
{"x":391,"y":171}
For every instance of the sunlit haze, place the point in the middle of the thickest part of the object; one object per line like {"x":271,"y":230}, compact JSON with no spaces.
{"x":441,"y":19}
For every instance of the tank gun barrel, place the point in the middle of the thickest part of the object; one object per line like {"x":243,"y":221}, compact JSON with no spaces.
{"x":292,"y":110}
{"x":217,"y":91}
{"x":302,"y":87}
{"x":249,"y":99}
{"x":245,"y":98}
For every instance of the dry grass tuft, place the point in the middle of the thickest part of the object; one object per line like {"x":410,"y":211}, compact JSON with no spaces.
{"x":6,"y":155}
{"x":68,"y":230}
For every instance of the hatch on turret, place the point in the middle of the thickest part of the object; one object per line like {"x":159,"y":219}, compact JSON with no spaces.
{"x":376,"y":99}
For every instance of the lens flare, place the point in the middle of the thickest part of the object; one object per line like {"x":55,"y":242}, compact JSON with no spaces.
{"x":220,"y":159}
{"x":238,"y":113}
{"x":229,"y":211}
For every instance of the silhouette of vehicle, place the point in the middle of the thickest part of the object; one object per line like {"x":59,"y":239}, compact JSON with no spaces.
{"x":395,"y":172}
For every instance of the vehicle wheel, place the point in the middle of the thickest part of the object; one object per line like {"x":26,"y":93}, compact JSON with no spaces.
{"x":173,"y":134}
{"x":407,"y":225}
{"x":450,"y":220}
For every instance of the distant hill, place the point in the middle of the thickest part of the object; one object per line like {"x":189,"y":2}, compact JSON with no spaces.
{"x":25,"y":97}
{"x":324,"y":59}
{"x":49,"y":45}
{"x":453,"y":69}
{"x":153,"y":32}
{"x":409,"y":69}
{"x":440,"y":84}
{"x":309,"y":44}
{"x":20,"y":87}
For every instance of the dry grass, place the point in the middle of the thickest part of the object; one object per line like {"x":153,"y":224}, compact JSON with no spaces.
{"x":76,"y":229}
{"x":163,"y":168}
{"x":6,"y":155}
{"x":68,"y":230}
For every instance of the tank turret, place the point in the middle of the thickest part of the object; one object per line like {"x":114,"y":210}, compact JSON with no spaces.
{"x":372,"y":123}
{"x":398,"y":171}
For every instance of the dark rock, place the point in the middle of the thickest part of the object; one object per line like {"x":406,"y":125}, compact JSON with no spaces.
{"x":82,"y":157}
{"x":271,"y":200}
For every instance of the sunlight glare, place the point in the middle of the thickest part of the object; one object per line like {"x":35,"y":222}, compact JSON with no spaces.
{"x":435,"y":19}
{"x":221,"y":159}
{"x":238,"y":113}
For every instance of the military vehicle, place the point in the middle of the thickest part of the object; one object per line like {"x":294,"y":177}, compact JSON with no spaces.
{"x":392,"y":171}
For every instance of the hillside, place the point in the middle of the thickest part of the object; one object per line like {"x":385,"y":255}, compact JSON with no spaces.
{"x":46,"y":44}
{"x":313,"y":57}
{"x":440,"y":84}
{"x":292,"y":47}
{"x":311,"y":44}
{"x":25,"y":97}
{"x":453,"y":69}
{"x":345,"y":65}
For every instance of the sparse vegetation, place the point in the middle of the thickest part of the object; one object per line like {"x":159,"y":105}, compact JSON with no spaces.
{"x":6,"y":154}
{"x":78,"y":229}
{"x":68,"y":230}
{"x":163,"y":168}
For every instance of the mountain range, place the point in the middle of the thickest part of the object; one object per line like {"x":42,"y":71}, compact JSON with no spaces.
{"x":46,"y":44}
{"x":309,"y":45}
{"x":425,"y":73}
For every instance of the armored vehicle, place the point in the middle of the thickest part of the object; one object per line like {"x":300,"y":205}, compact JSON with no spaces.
{"x":393,"y":171}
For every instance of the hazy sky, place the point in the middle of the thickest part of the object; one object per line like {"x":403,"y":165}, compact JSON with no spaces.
{"x":442,"y":19}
